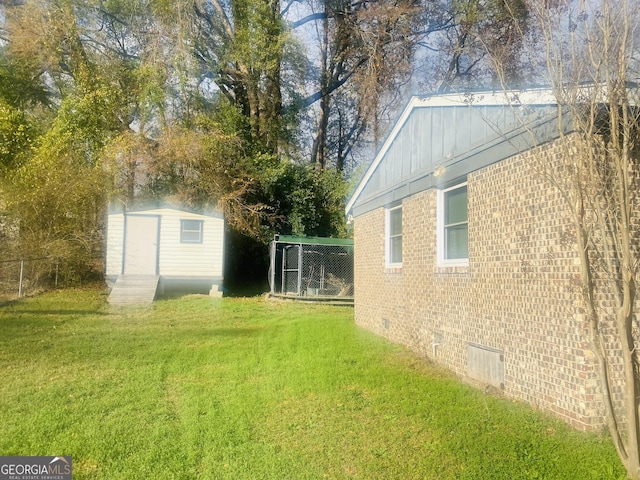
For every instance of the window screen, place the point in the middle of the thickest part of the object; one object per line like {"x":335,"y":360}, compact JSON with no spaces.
{"x":191,"y":231}
{"x":456,"y":224}
{"x":395,"y":236}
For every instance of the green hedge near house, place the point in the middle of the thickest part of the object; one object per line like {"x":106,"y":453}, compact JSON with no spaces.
{"x":245,"y":388}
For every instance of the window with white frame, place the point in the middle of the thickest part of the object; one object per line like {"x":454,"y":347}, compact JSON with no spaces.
{"x":394,"y":236}
{"x":453,"y":226}
{"x":191,"y":231}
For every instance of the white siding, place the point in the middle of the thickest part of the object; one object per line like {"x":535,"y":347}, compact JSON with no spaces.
{"x":190,"y":259}
{"x":115,"y":242}
{"x":175,"y":259}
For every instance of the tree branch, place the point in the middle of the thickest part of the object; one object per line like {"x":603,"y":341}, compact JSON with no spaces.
{"x":309,"y":18}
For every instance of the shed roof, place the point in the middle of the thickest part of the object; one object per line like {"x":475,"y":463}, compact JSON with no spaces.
{"x":440,"y":139}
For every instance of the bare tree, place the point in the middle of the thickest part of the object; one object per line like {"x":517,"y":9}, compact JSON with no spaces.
{"x":366,"y":51}
{"x":590,"y":55}
{"x":478,"y":30}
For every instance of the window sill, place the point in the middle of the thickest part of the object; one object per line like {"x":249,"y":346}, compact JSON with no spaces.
{"x":452,"y":269}
{"x":393,"y":270}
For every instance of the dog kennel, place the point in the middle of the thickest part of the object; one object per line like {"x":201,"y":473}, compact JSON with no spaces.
{"x":312,"y":268}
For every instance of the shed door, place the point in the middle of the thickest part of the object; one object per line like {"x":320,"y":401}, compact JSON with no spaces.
{"x":141,"y":245}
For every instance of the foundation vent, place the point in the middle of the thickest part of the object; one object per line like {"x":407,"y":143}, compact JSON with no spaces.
{"x":485,"y":364}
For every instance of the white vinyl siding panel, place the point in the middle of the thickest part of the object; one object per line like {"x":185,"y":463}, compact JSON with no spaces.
{"x":174,"y":258}
{"x":115,"y":244}
{"x":190,"y":259}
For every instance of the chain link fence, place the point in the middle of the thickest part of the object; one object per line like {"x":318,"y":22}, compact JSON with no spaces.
{"x":311,"y":268}
{"x":24,"y":277}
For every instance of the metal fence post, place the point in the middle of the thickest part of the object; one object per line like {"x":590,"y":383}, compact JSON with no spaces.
{"x":300,"y":259}
{"x":21,"y":272}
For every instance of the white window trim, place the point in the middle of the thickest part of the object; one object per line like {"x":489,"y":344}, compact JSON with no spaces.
{"x":200,"y":231}
{"x":446,"y":262}
{"x":387,"y":238}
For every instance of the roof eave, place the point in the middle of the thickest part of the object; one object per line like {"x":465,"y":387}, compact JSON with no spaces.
{"x":538,"y":96}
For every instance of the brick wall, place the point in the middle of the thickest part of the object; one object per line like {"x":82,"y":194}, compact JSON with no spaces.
{"x":517,"y":296}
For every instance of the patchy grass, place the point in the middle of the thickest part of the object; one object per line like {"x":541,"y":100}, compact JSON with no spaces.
{"x":247,"y":389}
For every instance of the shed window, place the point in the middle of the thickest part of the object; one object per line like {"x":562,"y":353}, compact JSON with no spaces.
{"x":453,"y":226}
{"x":394,"y":237}
{"x":191,"y":231}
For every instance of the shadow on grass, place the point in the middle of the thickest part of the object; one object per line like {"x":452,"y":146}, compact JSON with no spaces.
{"x":8,"y":303}
{"x":61,"y":312}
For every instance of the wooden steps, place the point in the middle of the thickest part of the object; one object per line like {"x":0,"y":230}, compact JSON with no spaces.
{"x":134,"y":290}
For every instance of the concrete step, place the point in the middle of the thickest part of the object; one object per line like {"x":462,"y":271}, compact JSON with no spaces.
{"x":134,"y":290}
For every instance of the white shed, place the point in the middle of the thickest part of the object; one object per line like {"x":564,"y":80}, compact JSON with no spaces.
{"x":169,"y":246}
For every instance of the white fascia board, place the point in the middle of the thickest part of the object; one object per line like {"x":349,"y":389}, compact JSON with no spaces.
{"x":541,"y":96}
{"x":383,"y":150}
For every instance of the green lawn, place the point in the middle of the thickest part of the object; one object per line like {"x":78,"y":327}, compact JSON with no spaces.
{"x":249,"y":389}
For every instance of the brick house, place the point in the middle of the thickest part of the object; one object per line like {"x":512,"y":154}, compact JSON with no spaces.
{"x":463,"y":252}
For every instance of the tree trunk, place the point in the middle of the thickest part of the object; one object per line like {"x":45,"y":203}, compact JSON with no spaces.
{"x":319,"y":144}
{"x":271,"y":104}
